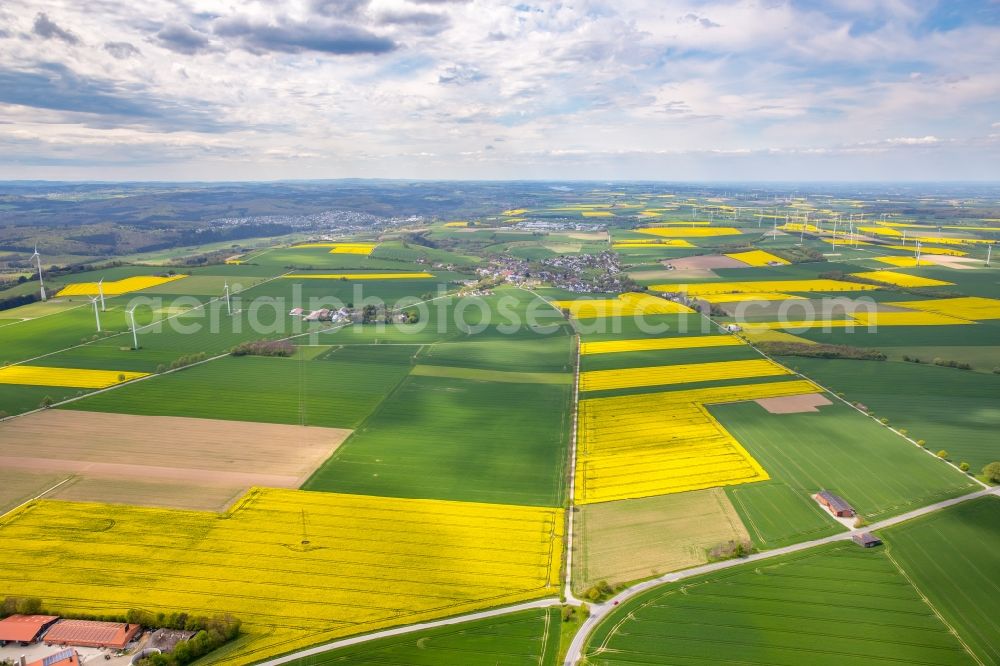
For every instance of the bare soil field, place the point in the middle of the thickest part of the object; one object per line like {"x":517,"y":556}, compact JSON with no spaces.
{"x":144,"y":459}
{"x":17,"y":486}
{"x":632,"y":539}
{"x":794,"y":404}
{"x":960,"y":263}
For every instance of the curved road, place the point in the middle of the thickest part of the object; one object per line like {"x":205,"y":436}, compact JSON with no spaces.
{"x":599,"y":611}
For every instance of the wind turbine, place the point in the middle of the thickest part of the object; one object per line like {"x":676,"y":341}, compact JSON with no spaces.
{"x":38,"y":257}
{"x":904,"y":237}
{"x":836,"y":221}
{"x":989,"y":252}
{"x":229,"y":304}
{"x":97,"y":313}
{"x":918,"y":253}
{"x":135,"y":334}
{"x":100,"y":290}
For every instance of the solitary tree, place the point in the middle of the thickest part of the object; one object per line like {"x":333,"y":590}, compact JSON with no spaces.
{"x":964,"y":466}
{"x":942,"y":454}
{"x":992,"y":472}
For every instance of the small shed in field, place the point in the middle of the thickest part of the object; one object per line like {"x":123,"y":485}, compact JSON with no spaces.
{"x":866,"y":540}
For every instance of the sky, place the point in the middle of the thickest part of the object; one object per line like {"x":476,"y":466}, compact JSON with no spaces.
{"x":882,"y":90}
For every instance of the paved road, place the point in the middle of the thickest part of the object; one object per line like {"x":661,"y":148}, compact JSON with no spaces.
{"x":409,"y":629}
{"x":599,"y":611}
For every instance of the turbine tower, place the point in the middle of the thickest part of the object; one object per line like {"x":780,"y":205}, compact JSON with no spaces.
{"x":97,"y":313}
{"x":135,"y":334}
{"x":229,"y":303}
{"x":38,"y":258}
{"x":100,"y":290}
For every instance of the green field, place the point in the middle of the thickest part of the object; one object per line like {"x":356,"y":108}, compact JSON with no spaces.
{"x":776,"y":514}
{"x":950,"y":409}
{"x":549,"y":353}
{"x":833,"y":605}
{"x":458,"y":439}
{"x":339,"y":392}
{"x":879,"y":473}
{"x":639,"y":359}
{"x":953,"y":557}
{"x":502,"y":376}
{"x":526,"y":638}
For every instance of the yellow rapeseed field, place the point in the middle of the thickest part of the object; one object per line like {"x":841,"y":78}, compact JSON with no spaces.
{"x":36,"y":375}
{"x":689,"y":232}
{"x":298,"y":568}
{"x":974,"y":308}
{"x":757,"y":258}
{"x":625,"y":305}
{"x":762,"y":286}
{"x":597,"y":213}
{"x":515,"y":212}
{"x":751,"y":296}
{"x":651,"y":344}
{"x":798,"y":226}
{"x":660,"y":443}
{"x":357,"y":276}
{"x":903,"y":262}
{"x":901,"y":279}
{"x":676,"y":242}
{"x":340,"y":248}
{"x":846,"y":241}
{"x":928,"y":250}
{"x":456,"y":224}
{"x":117,"y":287}
{"x":662,"y":375}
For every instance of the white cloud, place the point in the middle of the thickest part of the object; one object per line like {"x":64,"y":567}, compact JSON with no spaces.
{"x":316,"y":88}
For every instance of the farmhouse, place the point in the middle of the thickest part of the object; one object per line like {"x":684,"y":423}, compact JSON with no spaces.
{"x":24,"y":629}
{"x":87,"y":633}
{"x":835,"y":504}
{"x":866,"y":540}
{"x":64,"y":658}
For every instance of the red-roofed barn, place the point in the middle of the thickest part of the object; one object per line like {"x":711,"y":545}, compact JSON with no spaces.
{"x":24,"y":629}
{"x":87,"y":633}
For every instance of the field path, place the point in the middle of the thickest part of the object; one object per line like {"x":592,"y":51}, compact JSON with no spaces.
{"x":599,"y":611}
{"x":409,"y":629}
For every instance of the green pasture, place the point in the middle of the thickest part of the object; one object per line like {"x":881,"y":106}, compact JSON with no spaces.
{"x":776,"y":514}
{"x":828,"y":606}
{"x":338,"y":392}
{"x":954,"y":410}
{"x":458,"y":439}
{"x":501,"y":376}
{"x":543,"y":353}
{"x":953,"y":557}
{"x":639,"y":359}
{"x":525,"y":638}
{"x":838,"y":449}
